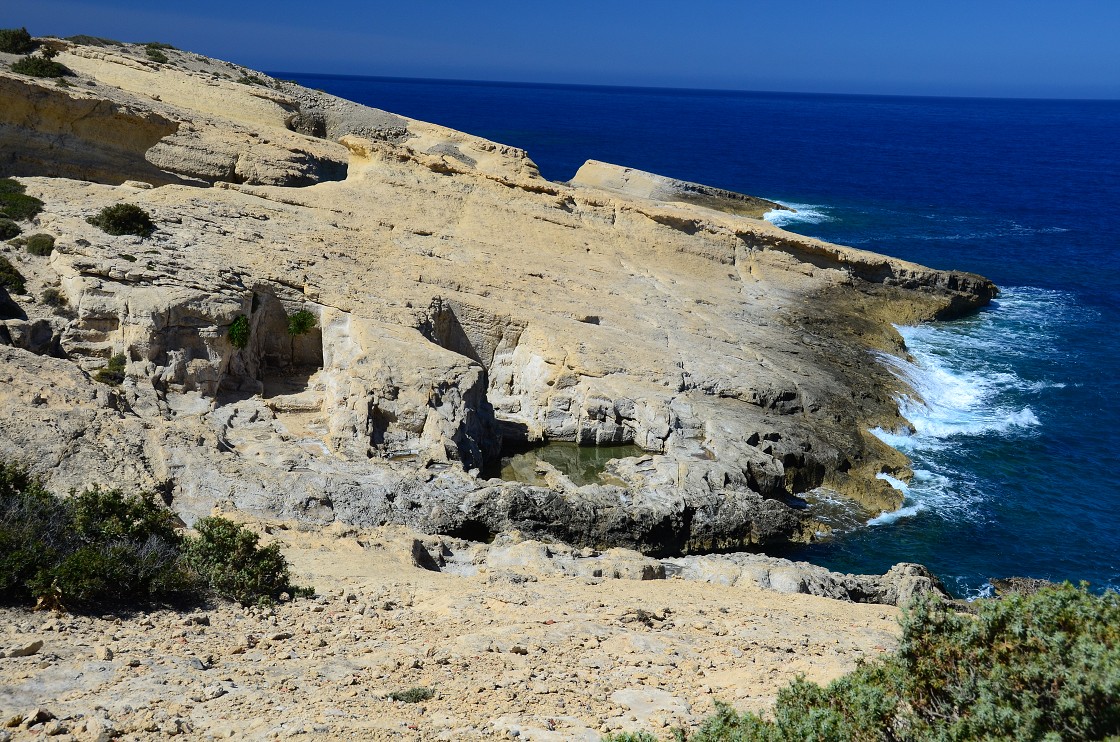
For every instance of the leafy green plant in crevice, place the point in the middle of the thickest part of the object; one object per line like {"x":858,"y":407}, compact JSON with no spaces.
{"x":10,"y":278}
{"x":228,"y":558}
{"x":155,"y":53}
{"x":16,"y":41}
{"x":301,"y":323}
{"x":121,"y":219}
{"x":86,"y":40}
{"x":239,"y":331}
{"x":113,"y":373}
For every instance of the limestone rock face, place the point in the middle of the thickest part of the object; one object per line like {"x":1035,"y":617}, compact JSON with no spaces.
{"x":460,"y":300}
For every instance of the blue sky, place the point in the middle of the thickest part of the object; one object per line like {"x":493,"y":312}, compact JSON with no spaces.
{"x":1027,"y":48}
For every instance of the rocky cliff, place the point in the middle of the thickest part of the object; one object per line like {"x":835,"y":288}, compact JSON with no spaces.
{"x":461,"y":301}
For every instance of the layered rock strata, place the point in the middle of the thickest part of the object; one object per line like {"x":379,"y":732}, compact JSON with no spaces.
{"x":460,"y":300}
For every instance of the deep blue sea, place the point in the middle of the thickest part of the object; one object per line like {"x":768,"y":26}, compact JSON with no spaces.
{"x":1017,"y":449}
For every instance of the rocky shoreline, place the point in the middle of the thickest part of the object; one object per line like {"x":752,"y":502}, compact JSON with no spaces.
{"x":459,"y":300}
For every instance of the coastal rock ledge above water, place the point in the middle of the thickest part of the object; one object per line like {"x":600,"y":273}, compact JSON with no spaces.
{"x":460,"y":299}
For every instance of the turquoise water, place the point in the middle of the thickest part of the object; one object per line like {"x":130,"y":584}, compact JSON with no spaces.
{"x":1016,"y":449}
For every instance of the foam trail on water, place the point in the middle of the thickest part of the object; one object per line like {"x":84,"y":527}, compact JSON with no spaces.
{"x":805,"y":214}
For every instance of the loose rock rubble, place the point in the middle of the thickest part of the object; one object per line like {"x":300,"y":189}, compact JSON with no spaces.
{"x":506,"y":652}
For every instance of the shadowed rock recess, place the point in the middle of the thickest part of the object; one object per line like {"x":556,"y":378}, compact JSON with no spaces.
{"x":463,"y":303}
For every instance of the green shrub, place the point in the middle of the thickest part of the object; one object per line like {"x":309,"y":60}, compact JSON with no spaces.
{"x":93,"y":40}
{"x":113,"y":373}
{"x":1043,"y":666}
{"x":301,"y":323}
{"x":97,"y":547}
{"x":10,"y":278}
{"x":9,"y":185}
{"x":121,"y":219}
{"x":226,"y":556}
{"x":158,"y":45}
{"x":631,"y":737}
{"x":413,"y":695}
{"x":39,"y":244}
{"x":105,"y":547}
{"x":15,"y":205}
{"x":32,"y":531}
{"x":40,"y":67}
{"x":8,"y":229}
{"x":155,"y":54}
{"x":251,"y":80}
{"x":239,"y":332}
{"x":16,"y":41}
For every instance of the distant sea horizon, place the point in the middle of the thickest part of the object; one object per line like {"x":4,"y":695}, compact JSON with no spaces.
{"x":1016,"y":440}
{"x":666,"y":88}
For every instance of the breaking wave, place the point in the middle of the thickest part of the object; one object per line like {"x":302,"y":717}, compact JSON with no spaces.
{"x":802,"y":214}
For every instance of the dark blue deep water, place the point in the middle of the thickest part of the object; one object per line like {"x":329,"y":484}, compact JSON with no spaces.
{"x":1017,"y":449}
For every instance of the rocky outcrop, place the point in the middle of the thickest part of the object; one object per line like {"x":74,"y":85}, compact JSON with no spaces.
{"x":460,"y":301}
{"x":639,"y":183}
{"x":52,"y":132}
{"x":534,"y":559}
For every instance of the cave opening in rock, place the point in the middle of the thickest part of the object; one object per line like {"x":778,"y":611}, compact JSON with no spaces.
{"x":275,"y":364}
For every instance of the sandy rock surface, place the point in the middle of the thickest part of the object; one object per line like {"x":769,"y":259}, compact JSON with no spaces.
{"x":507,"y":652}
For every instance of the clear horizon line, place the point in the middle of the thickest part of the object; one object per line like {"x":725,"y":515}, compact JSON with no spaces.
{"x":673,"y":88}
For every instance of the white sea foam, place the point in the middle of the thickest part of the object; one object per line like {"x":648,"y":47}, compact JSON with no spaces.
{"x":805,"y":214}
{"x":928,"y":490}
{"x":962,"y":385}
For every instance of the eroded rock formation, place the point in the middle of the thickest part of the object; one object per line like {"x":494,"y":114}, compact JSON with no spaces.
{"x":459,"y":298}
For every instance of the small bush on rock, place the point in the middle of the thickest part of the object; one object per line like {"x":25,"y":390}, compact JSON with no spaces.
{"x":54,"y":298}
{"x":87,"y":40}
{"x":16,"y":41}
{"x":155,"y":54}
{"x":8,"y":229}
{"x":413,"y":695}
{"x":10,"y":278}
{"x":239,"y":332}
{"x":121,"y":219}
{"x":42,"y":66}
{"x":14,"y":204}
{"x":226,"y":556}
{"x":39,"y":244}
{"x":301,"y":323}
{"x":113,"y":373}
